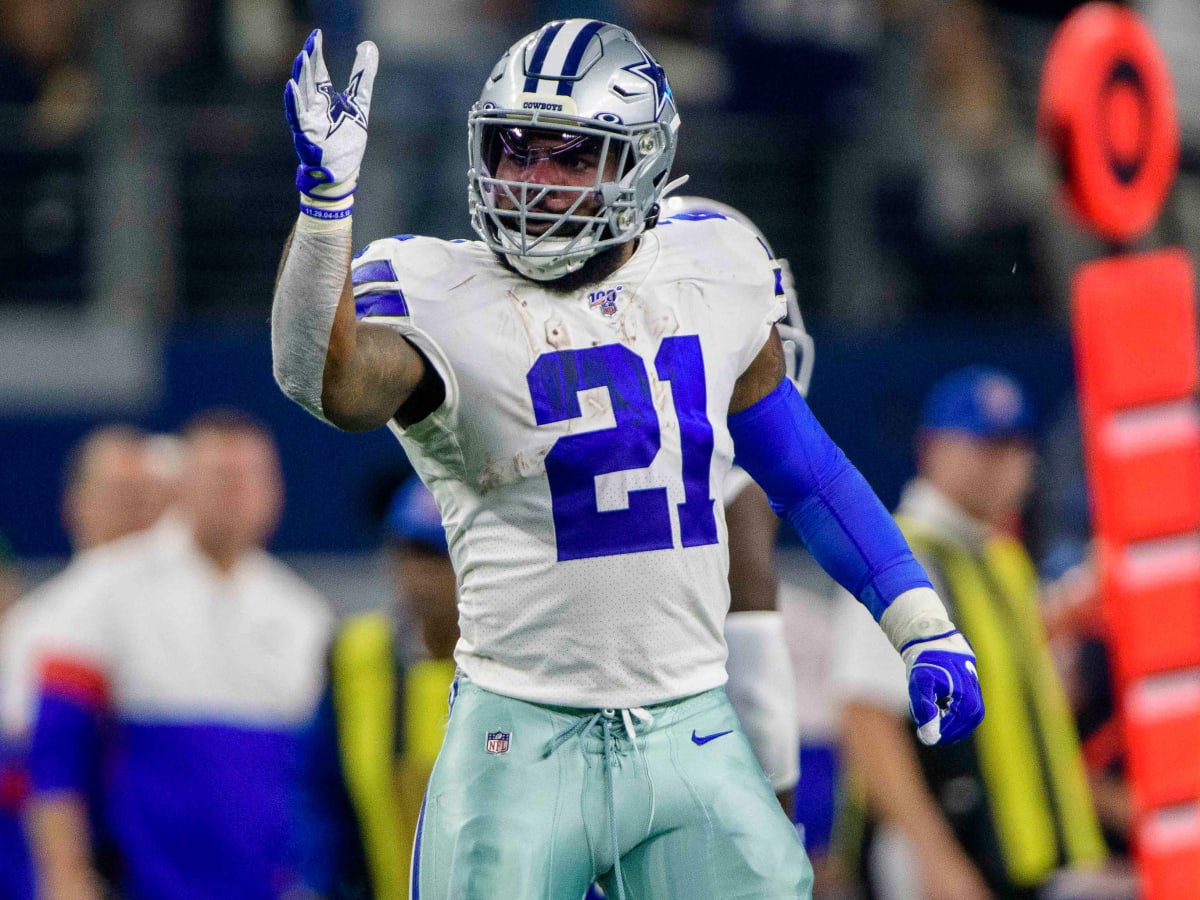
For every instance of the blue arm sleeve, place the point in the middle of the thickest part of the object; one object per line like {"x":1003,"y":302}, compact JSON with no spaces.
{"x":812,"y":485}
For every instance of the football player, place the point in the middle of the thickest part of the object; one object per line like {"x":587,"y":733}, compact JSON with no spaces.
{"x":572,"y":387}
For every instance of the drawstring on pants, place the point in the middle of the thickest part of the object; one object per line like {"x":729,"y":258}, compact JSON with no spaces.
{"x":604,"y":720}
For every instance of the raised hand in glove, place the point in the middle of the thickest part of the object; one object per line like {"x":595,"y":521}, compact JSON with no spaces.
{"x":329,"y":127}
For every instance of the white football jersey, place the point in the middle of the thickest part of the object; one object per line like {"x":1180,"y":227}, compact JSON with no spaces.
{"x":580,"y":454}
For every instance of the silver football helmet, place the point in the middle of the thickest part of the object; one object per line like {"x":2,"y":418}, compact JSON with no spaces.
{"x":798,"y":348}
{"x":577,"y":98}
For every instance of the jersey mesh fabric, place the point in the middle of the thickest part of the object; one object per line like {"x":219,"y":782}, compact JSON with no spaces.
{"x":584,"y":605}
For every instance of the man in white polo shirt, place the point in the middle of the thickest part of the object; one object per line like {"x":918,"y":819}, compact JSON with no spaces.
{"x":186,"y":659}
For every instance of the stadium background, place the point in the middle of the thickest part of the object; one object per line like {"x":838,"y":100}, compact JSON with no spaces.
{"x":887,"y":149}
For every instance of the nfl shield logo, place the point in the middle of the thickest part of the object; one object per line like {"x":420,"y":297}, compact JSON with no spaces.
{"x":498,"y":742}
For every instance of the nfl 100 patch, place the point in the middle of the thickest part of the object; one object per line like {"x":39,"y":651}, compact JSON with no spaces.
{"x":498,"y":742}
{"x":605,"y":300}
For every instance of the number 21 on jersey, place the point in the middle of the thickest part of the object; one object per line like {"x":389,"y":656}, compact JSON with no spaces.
{"x":574,"y":462}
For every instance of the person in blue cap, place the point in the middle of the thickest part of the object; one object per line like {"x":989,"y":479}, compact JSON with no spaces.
{"x":1009,"y":810}
{"x":370,"y":747}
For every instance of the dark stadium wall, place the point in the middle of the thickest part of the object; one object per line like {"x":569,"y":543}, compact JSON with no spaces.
{"x":866,"y":390}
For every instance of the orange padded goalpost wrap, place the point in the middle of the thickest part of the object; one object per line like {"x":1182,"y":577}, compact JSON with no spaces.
{"x":1107,"y":111}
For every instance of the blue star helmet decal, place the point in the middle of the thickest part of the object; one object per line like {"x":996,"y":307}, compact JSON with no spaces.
{"x":652,"y":72}
{"x":343,"y":106}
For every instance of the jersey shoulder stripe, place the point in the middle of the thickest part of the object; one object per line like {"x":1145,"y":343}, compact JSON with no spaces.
{"x":392,"y":276}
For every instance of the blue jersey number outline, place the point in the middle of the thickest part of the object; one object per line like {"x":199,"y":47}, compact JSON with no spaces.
{"x":582,"y":530}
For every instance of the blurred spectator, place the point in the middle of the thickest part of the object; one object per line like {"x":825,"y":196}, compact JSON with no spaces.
{"x":183,"y":660}
{"x":42,"y":48}
{"x":369,"y":749}
{"x":999,"y":814}
{"x":115,"y":484}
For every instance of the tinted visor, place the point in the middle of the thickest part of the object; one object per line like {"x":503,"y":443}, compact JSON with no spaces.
{"x":524,"y":147}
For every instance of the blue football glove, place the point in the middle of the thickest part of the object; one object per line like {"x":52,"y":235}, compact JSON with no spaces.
{"x":329,"y":128}
{"x":943,"y":688}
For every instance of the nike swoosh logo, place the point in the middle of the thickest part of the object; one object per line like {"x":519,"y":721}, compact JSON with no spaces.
{"x":701,"y":740}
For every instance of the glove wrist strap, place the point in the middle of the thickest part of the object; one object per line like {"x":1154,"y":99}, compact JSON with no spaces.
{"x":327,"y":210}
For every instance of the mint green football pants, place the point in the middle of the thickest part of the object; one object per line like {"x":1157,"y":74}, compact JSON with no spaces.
{"x":525,"y":799}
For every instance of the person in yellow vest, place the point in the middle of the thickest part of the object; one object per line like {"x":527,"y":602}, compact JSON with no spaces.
{"x":1006,"y":812}
{"x":370,"y":748}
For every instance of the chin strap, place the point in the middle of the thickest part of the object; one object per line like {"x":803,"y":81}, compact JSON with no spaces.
{"x":546,"y":268}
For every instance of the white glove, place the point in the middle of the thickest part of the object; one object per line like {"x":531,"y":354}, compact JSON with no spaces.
{"x":329,"y":128}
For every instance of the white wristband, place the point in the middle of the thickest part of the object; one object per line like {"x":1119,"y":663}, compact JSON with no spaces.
{"x":916,"y":615}
{"x":306,"y":301}
{"x":762,"y":690}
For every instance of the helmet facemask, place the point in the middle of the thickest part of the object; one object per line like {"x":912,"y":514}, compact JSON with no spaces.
{"x":548,"y":194}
